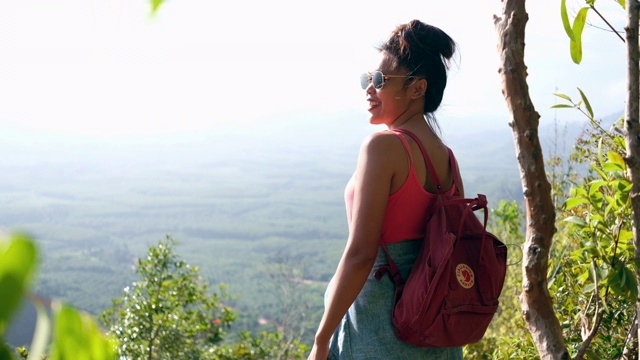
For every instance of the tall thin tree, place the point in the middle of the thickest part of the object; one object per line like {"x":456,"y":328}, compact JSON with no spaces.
{"x":535,"y":299}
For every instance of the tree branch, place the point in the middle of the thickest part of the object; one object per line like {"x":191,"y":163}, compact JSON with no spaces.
{"x":589,"y":334}
{"x":606,"y":22}
{"x":631,"y":342}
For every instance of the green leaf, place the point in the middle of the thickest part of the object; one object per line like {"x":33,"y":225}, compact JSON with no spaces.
{"x":68,"y":334}
{"x":600,"y":159}
{"x":565,"y":19}
{"x":625,"y":235}
{"x":578,"y":255}
{"x":573,"y":202}
{"x":631,"y":283}
{"x":17,"y":265}
{"x":622,"y":198}
{"x":603,"y":273}
{"x":566,"y":97}
{"x":596,"y":199}
{"x":575,"y":47}
{"x":582,"y":278}
{"x":562,"y":106}
{"x":5,"y":354}
{"x":155,"y":5}
{"x":619,"y":140}
{"x":612,"y":203}
{"x":589,"y":288}
{"x":595,"y":217}
{"x":612,"y":167}
{"x":576,"y":42}
{"x":18,"y":253}
{"x":623,"y":282}
{"x":622,"y":193}
{"x":78,"y":337}
{"x":595,"y":186}
{"x":610,"y":200}
{"x":623,"y":185}
{"x":615,"y":158}
{"x":622,"y":3}
{"x":576,"y":220}
{"x":600,"y":172}
{"x":586,"y":103}
{"x":578,"y":191}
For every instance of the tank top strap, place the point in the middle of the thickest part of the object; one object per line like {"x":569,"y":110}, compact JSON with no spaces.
{"x":425,"y":156}
{"x":454,"y":167}
{"x":407,"y":149}
{"x":454,"y":171}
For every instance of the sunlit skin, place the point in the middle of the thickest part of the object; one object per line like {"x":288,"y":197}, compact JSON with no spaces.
{"x":382,"y":168}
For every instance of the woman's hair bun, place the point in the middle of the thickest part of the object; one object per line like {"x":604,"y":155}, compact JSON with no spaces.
{"x":423,"y":50}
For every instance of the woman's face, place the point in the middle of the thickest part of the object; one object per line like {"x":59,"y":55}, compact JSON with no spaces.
{"x":390,"y":102}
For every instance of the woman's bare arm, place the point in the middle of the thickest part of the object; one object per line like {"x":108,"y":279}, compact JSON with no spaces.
{"x":373,"y":177}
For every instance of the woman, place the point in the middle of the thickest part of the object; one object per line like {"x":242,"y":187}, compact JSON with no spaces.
{"x":388,"y":197}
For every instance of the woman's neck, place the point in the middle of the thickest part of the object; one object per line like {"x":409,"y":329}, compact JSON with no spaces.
{"x":408,"y":119}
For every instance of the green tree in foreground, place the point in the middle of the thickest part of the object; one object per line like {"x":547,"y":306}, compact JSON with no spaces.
{"x":168,"y":313}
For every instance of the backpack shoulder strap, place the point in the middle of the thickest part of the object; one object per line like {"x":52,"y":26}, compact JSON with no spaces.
{"x":427,"y":160}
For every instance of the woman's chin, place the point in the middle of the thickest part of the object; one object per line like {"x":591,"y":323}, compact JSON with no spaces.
{"x":376,"y":121}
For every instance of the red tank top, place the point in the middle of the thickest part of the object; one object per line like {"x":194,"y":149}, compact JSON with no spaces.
{"x":407,"y":208}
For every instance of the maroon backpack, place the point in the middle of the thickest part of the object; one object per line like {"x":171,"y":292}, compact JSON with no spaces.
{"x":451,"y":293}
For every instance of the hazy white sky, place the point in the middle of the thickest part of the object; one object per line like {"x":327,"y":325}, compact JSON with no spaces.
{"x":105,"y":67}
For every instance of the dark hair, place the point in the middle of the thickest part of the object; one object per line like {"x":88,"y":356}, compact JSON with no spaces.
{"x":423,"y":50}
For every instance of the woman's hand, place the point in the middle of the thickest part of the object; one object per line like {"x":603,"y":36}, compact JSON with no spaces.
{"x":319,"y":352}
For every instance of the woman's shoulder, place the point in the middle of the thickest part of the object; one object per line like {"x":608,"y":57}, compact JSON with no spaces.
{"x":382,"y":140}
{"x":383,"y":146}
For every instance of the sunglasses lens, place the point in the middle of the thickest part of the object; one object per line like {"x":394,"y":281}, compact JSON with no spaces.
{"x":378,"y":79}
{"x":364,"y":80}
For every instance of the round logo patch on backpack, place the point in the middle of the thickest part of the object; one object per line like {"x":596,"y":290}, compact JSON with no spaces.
{"x":465,"y":275}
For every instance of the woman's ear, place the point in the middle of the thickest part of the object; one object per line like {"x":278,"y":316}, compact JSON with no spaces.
{"x":419,"y":88}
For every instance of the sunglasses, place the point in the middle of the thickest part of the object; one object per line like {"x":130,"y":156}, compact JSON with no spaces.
{"x":378,"y":79}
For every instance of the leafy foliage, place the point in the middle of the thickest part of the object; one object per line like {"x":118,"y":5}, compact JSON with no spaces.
{"x":168,"y":313}
{"x":505,"y":335}
{"x":77,"y":336}
{"x":574,"y":30}
{"x":264,"y":346}
{"x":591,"y":272}
{"x":595,"y":284}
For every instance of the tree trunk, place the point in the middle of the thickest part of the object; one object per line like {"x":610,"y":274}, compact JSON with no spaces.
{"x":537,"y":306}
{"x":632,"y":130}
